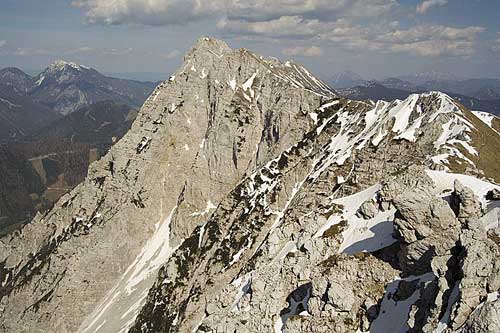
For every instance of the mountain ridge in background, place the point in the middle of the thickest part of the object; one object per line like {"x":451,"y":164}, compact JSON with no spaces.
{"x":20,"y":114}
{"x":346,"y":79}
{"x":58,"y":90}
{"x":476,"y":94}
{"x":396,"y":89}
{"x":49,"y":138}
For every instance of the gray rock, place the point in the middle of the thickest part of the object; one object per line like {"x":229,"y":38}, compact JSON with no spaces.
{"x":341,"y":297}
{"x":368,"y":210}
{"x":468,"y":203}
{"x":484,"y":319}
{"x":238,"y":178}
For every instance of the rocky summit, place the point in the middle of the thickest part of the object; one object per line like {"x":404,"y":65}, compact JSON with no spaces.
{"x":248,"y":196}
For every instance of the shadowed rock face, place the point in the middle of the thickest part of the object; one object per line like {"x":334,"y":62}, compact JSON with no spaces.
{"x":248,"y":196}
{"x":20,"y":114}
{"x":40,"y":169}
{"x":16,"y":78}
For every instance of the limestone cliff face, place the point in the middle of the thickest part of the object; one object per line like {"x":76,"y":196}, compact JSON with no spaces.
{"x":248,"y":196}
{"x":221,"y":116}
{"x":313,"y":241}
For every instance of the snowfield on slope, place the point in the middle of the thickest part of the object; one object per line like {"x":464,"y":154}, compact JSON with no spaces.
{"x":118,"y":310}
{"x":361,"y":235}
{"x":444,"y":181}
{"x":369,"y":235}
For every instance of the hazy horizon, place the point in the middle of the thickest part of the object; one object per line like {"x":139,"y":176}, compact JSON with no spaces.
{"x":158,"y":76}
{"x":375,"y":38}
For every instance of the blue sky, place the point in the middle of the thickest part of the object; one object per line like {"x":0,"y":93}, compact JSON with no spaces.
{"x":146,"y":38}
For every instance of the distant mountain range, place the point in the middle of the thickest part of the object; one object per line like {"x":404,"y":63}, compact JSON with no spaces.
{"x":52,"y":127}
{"x":248,"y":196}
{"x":476,"y":94}
{"x":379,"y":91}
{"x":65,"y":86}
{"x":481,"y":88}
{"x":30,"y":103}
{"x":346,"y":79}
{"x":20,"y":114}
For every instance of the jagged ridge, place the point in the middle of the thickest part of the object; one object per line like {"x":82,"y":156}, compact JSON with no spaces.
{"x":258,"y":199}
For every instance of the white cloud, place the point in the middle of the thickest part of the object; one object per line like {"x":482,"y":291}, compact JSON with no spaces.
{"x":384,"y":37}
{"x":3,"y":43}
{"x":427,"y":4}
{"x":432,"y":40}
{"x":311,"y":51}
{"x":324,"y":10}
{"x":291,"y":26}
{"x":28,"y":51}
{"x":81,"y":50}
{"x":172,"y":55}
{"x":361,"y":25}
{"x":150,"y":12}
{"x":162,"y":12}
{"x":125,"y":51}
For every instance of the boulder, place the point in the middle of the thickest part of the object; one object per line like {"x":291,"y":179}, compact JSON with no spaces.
{"x":367,"y":210}
{"x":468,"y":203}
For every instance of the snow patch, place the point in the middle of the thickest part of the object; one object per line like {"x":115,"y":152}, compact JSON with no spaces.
{"x":207,"y":210}
{"x":402,"y":113}
{"x":393,"y":315}
{"x":361,"y":235}
{"x":445,"y":180}
{"x":204,"y":74}
{"x":40,"y":80}
{"x":232,"y":84}
{"x":9,"y":104}
{"x":327,"y":105}
{"x":485,"y":117}
{"x":248,"y":85}
{"x":118,"y":309}
{"x":314,"y":117}
{"x":243,"y":284}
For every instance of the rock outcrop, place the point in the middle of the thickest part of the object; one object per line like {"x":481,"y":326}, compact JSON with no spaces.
{"x":249,"y":197}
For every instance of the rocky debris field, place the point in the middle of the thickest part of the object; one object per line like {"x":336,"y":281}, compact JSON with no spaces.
{"x":249,"y":197}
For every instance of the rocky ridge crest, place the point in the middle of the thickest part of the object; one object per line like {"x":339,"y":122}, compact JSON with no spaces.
{"x":249,"y":196}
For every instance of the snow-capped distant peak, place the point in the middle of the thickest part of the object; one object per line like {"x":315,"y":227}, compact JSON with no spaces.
{"x":61,"y":71}
{"x":62,"y":64}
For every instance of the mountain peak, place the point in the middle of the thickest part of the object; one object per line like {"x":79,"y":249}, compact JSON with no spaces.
{"x":429,"y":76}
{"x":210,"y":55}
{"x":346,"y":79}
{"x":13,"y":70}
{"x":59,"y":65}
{"x":65,"y":86}
{"x":209,"y":45}
{"x":348,"y":73}
{"x":243,"y":193}
{"x":15,"y":77}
